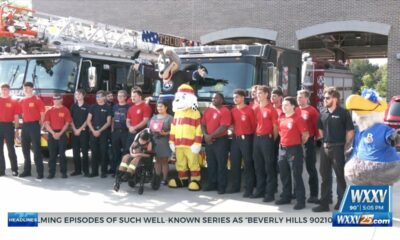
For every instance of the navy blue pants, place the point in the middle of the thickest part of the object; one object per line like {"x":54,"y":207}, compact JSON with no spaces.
{"x":217,"y":157}
{"x":310,"y":160}
{"x":264,"y":165}
{"x":80,"y":144}
{"x":291,"y":163}
{"x":119,"y":140}
{"x":7,"y":134}
{"x":57,"y":147}
{"x":99,"y":146}
{"x":30,"y":135}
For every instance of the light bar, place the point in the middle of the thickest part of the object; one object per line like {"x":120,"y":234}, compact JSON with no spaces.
{"x":212,"y":49}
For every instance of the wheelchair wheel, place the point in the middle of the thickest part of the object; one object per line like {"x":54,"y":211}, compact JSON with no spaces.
{"x":141,"y":183}
{"x":132,"y":182}
{"x":155,"y":182}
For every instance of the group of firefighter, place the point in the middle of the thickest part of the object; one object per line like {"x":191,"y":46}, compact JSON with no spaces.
{"x":271,"y":136}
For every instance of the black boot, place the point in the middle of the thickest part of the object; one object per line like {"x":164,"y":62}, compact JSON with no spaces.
{"x":117,"y":181}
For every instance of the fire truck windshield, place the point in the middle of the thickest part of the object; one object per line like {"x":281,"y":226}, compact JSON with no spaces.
{"x":225,"y":77}
{"x":56,"y":74}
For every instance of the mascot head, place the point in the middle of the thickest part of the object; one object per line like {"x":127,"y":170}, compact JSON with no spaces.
{"x":368,"y":108}
{"x":168,"y":63}
{"x":184,"y":99}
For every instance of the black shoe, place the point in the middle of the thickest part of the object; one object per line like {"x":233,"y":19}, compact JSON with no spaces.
{"x":110,"y":171}
{"x":25,"y":174}
{"x":39,"y":176}
{"x":319,"y":201}
{"x":15,"y":173}
{"x":337,"y":206}
{"x":321,"y":208}
{"x":268,"y":198}
{"x":64,"y":175}
{"x":75,"y":174}
{"x":116,"y":186}
{"x":247,"y":194}
{"x":2,"y":174}
{"x":209,"y":188}
{"x":313,"y":199}
{"x":299,"y":206}
{"x":86,"y":175}
{"x":103,"y":175}
{"x":282,"y":201}
{"x":51,"y":176}
{"x":232,"y":191}
{"x":221,"y":191}
{"x":257,"y":195}
{"x":93,"y":175}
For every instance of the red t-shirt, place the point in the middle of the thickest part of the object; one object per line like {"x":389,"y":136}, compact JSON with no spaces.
{"x":266,"y":117}
{"x":310,"y":116}
{"x":290,"y":130}
{"x":8,"y":109}
{"x":244,"y":120}
{"x":31,"y":108}
{"x":136,"y":113}
{"x":57,"y":117}
{"x":213,"y":118}
{"x":279,"y":111}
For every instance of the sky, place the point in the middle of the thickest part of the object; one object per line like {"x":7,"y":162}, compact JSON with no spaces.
{"x":378,"y":61}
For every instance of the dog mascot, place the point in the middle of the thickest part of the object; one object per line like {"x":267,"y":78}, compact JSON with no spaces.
{"x":374,"y":160}
{"x":185,"y":139}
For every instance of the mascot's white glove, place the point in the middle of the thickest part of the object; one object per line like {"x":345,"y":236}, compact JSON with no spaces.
{"x":172,"y":147}
{"x":195,"y":148}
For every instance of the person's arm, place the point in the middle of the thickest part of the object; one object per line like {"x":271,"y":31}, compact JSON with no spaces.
{"x":304,"y":137}
{"x":89,"y":122}
{"x":349,"y":138}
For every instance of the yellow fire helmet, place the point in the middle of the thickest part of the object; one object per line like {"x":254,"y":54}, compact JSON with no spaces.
{"x":368,"y":102}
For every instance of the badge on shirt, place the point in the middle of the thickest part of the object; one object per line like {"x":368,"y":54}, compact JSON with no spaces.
{"x":9,"y":105}
{"x":243,"y":117}
{"x":167,"y":85}
{"x":103,"y":110}
{"x":290,"y":125}
{"x":138,"y":111}
{"x":369,"y":138}
{"x":61,"y":114}
{"x":305,"y":116}
{"x":215,"y":116}
{"x":31,"y":104}
{"x":265,"y":114}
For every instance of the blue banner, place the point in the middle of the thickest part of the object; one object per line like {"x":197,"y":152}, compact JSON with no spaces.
{"x":23,"y":219}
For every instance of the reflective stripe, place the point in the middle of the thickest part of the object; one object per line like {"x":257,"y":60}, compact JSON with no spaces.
{"x":131,"y":166}
{"x":124,"y":165}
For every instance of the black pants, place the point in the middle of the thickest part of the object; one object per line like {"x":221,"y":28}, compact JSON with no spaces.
{"x":332,"y":157}
{"x":7,"y":133}
{"x":80,"y":144}
{"x":310,"y":160}
{"x":265,"y":169}
{"x":129,"y":141}
{"x":291,"y":162}
{"x":30,"y":135}
{"x":99,"y":153}
{"x":217,"y":157}
{"x":57,"y":147}
{"x":119,"y":140}
{"x":242,"y":149}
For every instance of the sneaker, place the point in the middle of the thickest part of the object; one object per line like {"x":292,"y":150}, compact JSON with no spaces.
{"x":337,"y":206}
{"x":75,"y":174}
{"x":51,"y":176}
{"x":268,"y":198}
{"x":25,"y":174}
{"x":299,"y":206}
{"x":321,"y":208}
{"x":282,"y":201}
{"x":15,"y":173}
{"x":313,"y":199}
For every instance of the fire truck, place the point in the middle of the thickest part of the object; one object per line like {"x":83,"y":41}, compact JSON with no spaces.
{"x":239,"y":66}
{"x":317,"y":74}
{"x":62,"y":54}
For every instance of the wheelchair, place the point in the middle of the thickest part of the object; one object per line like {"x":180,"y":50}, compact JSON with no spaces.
{"x":145,"y":173}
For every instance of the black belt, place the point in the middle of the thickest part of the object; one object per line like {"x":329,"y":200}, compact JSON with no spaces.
{"x":288,"y":147}
{"x":329,"y":144}
{"x":244,"y":136}
{"x":265,"y":135}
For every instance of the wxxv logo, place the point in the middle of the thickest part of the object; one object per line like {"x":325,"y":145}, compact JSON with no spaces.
{"x":365,"y":206}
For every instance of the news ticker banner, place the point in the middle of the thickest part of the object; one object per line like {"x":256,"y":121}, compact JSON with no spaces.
{"x":35,"y":219}
{"x":365,"y":206}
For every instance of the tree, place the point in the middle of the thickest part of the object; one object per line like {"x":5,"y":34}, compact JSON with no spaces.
{"x":359,"y":68}
{"x":381,"y":81}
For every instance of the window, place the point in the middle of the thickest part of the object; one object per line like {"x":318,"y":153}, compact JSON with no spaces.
{"x":13,"y":72}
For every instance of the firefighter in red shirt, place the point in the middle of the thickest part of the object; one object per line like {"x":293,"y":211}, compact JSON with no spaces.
{"x":244,"y":123}
{"x":310,"y":116}
{"x":293,"y":132}
{"x":215,"y":123}
{"x":33,"y":116}
{"x":8,"y":118}
{"x":263,"y":146}
{"x":56,"y":121}
{"x":137,"y":116}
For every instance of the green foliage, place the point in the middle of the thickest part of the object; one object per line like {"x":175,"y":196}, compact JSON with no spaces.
{"x":367,"y":75}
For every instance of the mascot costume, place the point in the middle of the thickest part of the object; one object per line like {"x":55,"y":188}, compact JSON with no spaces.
{"x":374,"y":160}
{"x":185,"y":139}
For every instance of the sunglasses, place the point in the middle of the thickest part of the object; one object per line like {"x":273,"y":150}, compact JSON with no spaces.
{"x":99,"y":96}
{"x":327,"y":98}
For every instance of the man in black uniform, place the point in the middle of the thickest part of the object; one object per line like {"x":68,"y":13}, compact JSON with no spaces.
{"x":119,"y":129}
{"x":99,"y":122}
{"x":336,"y":128}
{"x":80,"y":137}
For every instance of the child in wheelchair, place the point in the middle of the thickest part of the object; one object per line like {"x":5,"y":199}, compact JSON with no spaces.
{"x":140,"y":150}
